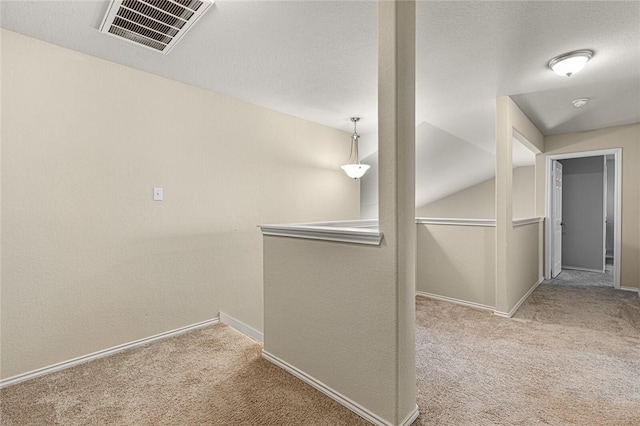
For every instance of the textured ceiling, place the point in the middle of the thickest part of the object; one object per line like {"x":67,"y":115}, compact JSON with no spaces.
{"x":317,"y":59}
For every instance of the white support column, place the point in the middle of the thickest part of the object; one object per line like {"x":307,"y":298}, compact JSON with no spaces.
{"x":396,"y":150}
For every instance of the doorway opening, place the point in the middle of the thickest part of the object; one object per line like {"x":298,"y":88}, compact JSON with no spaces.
{"x":583,"y":210}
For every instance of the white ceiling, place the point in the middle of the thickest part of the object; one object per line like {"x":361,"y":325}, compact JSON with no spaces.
{"x":317,"y":59}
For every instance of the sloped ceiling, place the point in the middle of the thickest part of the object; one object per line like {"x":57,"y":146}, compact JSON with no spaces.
{"x":317,"y":60}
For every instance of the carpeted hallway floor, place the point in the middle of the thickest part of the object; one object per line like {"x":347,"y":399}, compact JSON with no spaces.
{"x":584,"y":278}
{"x":570,"y":357}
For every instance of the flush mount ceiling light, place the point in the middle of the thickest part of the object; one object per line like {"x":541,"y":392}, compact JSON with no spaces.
{"x":580,"y":102}
{"x":570,"y":63}
{"x":353,"y":168}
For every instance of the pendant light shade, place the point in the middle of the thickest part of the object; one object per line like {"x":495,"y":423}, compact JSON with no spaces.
{"x":353,"y":168}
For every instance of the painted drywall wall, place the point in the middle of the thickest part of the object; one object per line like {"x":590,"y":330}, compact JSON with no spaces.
{"x":445,"y":165}
{"x":525,"y":269}
{"x":611,"y":219}
{"x":524,"y":192}
{"x":627,"y":138}
{"x":478,"y":201}
{"x":475,"y":202}
{"x":582,"y":213}
{"x":89,"y":260}
{"x":457,"y":262}
{"x":511,"y":123}
{"x":326,"y":304}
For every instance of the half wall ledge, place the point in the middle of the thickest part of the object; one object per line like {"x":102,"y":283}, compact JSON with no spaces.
{"x":350,"y":231}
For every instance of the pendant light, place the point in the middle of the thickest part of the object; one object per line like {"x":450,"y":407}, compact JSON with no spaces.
{"x":353,"y":168}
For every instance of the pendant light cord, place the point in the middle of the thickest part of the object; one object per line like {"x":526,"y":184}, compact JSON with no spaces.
{"x":354,"y":143}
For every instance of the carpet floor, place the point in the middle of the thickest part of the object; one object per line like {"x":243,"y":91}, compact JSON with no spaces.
{"x":571,"y":356}
{"x":213,"y":376}
{"x":575,"y":277}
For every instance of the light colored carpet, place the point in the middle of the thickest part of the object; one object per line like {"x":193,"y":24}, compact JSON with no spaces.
{"x":584,"y":278}
{"x":571,"y":356}
{"x":213,"y":376}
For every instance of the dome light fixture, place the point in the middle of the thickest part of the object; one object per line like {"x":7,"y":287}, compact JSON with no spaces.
{"x":353,"y":168}
{"x":580,"y":102}
{"x":570,"y":63}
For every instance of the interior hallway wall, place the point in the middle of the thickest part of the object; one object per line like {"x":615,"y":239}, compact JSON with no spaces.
{"x":479,"y":201}
{"x":89,"y":261}
{"x":628,"y":138}
{"x":445,"y":164}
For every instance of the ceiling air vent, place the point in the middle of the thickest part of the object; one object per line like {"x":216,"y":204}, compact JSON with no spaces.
{"x":155,"y":24}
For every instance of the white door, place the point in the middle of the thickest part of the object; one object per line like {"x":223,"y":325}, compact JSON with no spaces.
{"x":556,"y":219}
{"x":605,"y":190}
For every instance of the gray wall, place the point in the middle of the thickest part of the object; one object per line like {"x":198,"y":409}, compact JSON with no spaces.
{"x":582,"y":213}
{"x":611,"y":178}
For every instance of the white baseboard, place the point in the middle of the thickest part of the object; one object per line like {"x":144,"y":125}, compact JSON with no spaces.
{"x":242,"y":327}
{"x":456,"y":301}
{"x":632,"y":289}
{"x":103,"y":353}
{"x":411,"y":417}
{"x":577,"y":268}
{"x":520,"y":302}
{"x":336,"y":396}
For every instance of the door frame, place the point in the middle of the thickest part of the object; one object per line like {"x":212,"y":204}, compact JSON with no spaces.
{"x":552,"y":218}
{"x":617,"y":205}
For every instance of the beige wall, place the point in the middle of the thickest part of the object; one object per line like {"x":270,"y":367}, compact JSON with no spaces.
{"x":89,"y":261}
{"x":479,"y":201}
{"x":330,"y":311}
{"x":475,"y":202}
{"x":627,"y":138}
{"x":457,"y":262}
{"x":525,"y":267}
{"x":524,"y":192}
{"x":511,"y":123}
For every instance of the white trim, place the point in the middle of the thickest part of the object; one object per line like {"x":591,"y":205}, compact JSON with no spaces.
{"x":520,"y":302}
{"x":336,"y":396}
{"x":411,"y":417}
{"x":455,"y":221}
{"x":241,"y":327}
{"x":617,"y":230}
{"x":526,"y":221}
{"x":632,"y":289}
{"x":103,"y":353}
{"x":358,"y":223}
{"x":577,"y":268}
{"x":456,"y":301}
{"x":354,"y":233}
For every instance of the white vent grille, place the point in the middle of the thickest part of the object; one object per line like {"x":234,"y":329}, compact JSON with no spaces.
{"x":155,"y":24}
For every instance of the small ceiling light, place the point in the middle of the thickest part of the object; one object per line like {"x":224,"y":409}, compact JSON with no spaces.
{"x":353,"y":168}
{"x":570,"y":63}
{"x":580,"y":102}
